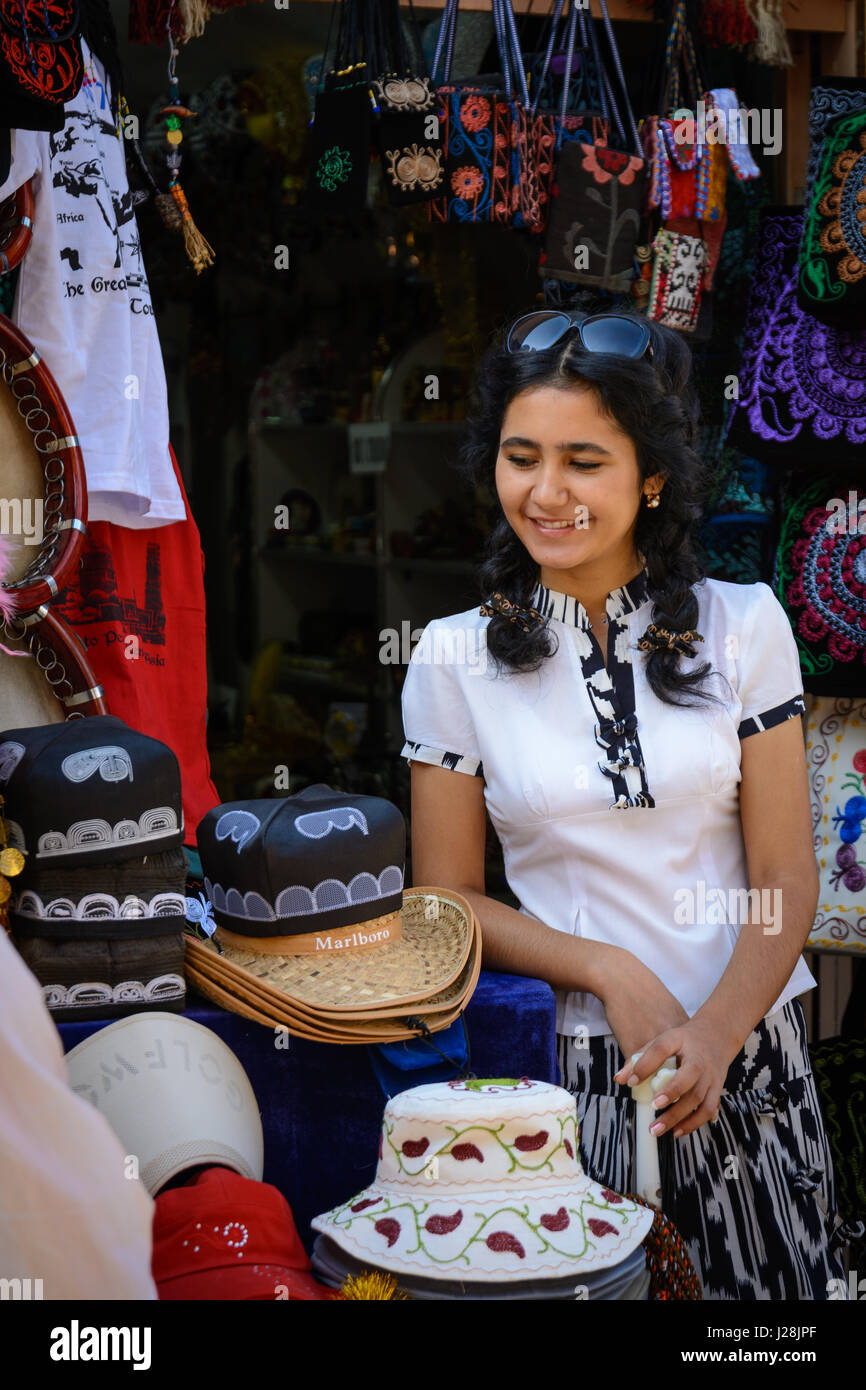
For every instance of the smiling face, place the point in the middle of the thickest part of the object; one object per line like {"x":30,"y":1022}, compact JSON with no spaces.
{"x":569,"y":484}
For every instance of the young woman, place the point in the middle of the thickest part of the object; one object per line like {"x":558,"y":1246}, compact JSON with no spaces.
{"x":634,"y":732}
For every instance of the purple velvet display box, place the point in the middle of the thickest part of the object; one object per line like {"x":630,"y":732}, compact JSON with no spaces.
{"x":321,"y":1104}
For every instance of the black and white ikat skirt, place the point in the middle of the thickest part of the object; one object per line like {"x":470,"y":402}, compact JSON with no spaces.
{"x":752,"y":1194}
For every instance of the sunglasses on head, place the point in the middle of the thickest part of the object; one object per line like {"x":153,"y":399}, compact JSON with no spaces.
{"x":614,"y":333}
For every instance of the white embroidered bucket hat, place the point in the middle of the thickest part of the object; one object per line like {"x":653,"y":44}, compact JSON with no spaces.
{"x":481,"y":1180}
{"x":173,"y":1093}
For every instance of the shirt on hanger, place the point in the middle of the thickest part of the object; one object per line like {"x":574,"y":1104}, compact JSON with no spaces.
{"x":69,"y":1215}
{"x":618,"y":814}
{"x":83,"y":299}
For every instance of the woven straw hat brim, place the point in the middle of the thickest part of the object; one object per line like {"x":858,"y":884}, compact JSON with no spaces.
{"x":430,"y":955}
{"x":205,"y":957}
{"x":207,"y":965}
{"x":366,"y":1033}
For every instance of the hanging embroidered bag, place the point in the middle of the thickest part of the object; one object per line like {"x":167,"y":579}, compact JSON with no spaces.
{"x":409,"y":143}
{"x":475,"y":127}
{"x":40,"y":51}
{"x":342,"y":126}
{"x":802,"y":385}
{"x":831,"y":283}
{"x":820,"y":580}
{"x":598,"y":196}
{"x":678,"y":272}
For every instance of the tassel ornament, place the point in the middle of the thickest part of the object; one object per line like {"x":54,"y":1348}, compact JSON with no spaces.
{"x":197,"y":247}
{"x":771,"y":46}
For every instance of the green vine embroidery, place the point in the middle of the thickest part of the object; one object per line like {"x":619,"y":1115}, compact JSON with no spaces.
{"x":624,"y":1211}
{"x":334,"y":167}
{"x":515,"y":1161}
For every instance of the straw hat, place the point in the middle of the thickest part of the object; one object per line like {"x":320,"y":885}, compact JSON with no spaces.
{"x":481,"y":1181}
{"x":174,"y":1094}
{"x":360,"y":955}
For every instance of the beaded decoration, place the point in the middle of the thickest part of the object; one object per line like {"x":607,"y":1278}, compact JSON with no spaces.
{"x":672,"y":1274}
{"x":659,"y":639}
{"x":527,"y":618}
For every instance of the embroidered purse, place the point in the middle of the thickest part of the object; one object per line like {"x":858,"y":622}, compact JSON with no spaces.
{"x":820,"y":580}
{"x":40,"y":50}
{"x":598,"y":196}
{"x":832,"y":261}
{"x":409,"y":144}
{"x":678,"y":272}
{"x":475,"y":121}
{"x":342,"y":125}
{"x":802,"y":385}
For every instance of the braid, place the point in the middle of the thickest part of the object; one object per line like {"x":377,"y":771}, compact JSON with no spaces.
{"x":100,"y":35}
{"x":509,"y":569}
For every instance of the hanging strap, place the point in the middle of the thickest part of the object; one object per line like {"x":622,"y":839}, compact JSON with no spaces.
{"x":446,"y":38}
{"x":608,"y":28}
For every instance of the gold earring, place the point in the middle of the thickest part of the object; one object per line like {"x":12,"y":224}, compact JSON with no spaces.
{"x":652,"y":499}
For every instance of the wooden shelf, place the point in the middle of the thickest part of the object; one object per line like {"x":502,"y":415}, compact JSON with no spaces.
{"x":820,"y":16}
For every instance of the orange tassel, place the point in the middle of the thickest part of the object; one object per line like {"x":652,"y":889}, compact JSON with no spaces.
{"x":199,"y":250}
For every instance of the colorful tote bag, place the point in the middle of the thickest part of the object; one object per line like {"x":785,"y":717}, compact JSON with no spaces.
{"x":836,"y":759}
{"x":829,"y":100}
{"x":802,"y":384}
{"x":832,"y":260}
{"x":820,"y":580}
{"x":678,"y":273}
{"x":476,"y":132}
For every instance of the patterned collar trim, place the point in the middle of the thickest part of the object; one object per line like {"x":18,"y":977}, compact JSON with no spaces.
{"x":564,"y":607}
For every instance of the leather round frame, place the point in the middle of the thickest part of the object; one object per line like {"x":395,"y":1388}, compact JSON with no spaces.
{"x":42,"y":480}
{"x":53,"y":682}
{"x":16,"y":227}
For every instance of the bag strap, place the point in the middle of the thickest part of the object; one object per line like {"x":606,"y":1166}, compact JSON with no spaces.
{"x":679,"y":55}
{"x":446,"y":38}
{"x":510,"y":51}
{"x":617,"y":63}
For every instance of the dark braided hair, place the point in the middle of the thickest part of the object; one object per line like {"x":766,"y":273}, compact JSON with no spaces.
{"x":654,"y":403}
{"x":99,"y":33}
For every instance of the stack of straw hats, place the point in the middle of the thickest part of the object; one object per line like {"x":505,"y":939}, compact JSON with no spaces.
{"x":95,"y":818}
{"x":309,"y":928}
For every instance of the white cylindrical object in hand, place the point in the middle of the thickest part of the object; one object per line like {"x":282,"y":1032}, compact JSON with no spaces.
{"x":647,"y":1175}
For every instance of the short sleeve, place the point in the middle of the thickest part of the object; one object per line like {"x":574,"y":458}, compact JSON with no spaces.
{"x":770,"y":684}
{"x":437,"y":722}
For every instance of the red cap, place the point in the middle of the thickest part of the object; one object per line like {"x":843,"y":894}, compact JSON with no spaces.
{"x":227,"y":1237}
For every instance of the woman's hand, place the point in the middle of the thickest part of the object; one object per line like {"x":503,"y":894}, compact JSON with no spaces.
{"x":638,"y":1006}
{"x":692,"y":1097}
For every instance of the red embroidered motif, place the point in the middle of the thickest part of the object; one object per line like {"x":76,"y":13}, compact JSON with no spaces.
{"x":58,"y":67}
{"x":528,"y":1143}
{"x":366,"y":1202}
{"x":555,"y":1221}
{"x":463,"y":1151}
{"x":443,"y":1225}
{"x":612,"y":1197}
{"x":389,"y":1228}
{"x":568,"y":1149}
{"x":503,"y":1243}
{"x":413,"y":1148}
{"x":600,"y":1228}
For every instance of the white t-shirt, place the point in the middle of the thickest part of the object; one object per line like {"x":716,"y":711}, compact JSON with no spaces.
{"x":83,"y":299}
{"x":69,"y":1215}
{"x":649,"y":854}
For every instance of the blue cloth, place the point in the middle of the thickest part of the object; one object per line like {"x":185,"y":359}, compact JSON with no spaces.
{"x":322,"y":1105}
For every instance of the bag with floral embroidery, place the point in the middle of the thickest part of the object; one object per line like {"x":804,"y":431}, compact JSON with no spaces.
{"x":598,"y":197}
{"x":677,"y":280}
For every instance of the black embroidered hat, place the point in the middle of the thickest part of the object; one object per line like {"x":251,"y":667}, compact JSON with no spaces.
{"x":320,"y":860}
{"x":310,"y":928}
{"x":89,"y":791}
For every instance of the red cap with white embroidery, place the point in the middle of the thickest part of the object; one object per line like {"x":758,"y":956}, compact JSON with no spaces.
{"x":222,"y":1236}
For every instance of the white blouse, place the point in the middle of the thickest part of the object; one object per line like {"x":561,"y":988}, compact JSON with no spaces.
{"x":618,"y":814}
